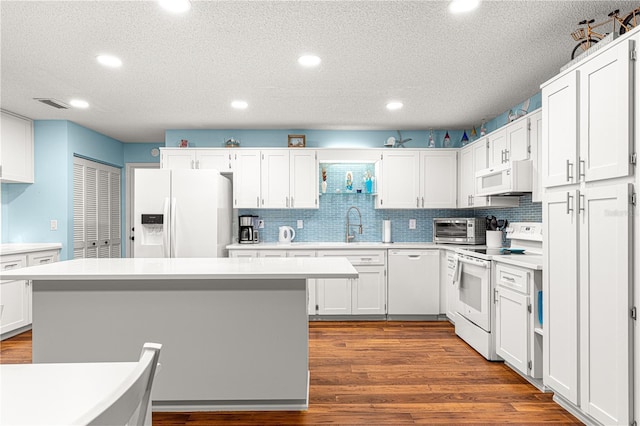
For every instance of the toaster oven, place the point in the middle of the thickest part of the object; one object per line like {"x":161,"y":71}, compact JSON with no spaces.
{"x":465,"y":230}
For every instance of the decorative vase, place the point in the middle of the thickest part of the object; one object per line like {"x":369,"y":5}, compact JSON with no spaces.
{"x":324,"y":186}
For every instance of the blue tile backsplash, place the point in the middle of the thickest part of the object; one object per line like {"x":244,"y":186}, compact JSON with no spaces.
{"x":328,"y":223}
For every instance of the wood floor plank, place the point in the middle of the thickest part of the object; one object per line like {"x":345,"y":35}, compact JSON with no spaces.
{"x":385,"y":373}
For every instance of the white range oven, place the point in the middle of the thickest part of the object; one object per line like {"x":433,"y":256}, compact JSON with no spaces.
{"x":475,"y":311}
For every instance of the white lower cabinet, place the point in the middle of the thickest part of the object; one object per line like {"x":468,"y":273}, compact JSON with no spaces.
{"x":518,"y":329}
{"x":311,"y":283}
{"x":365,"y":295}
{"x":15,"y":295}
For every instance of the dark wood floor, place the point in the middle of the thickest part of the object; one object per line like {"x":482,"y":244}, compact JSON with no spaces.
{"x":385,"y":373}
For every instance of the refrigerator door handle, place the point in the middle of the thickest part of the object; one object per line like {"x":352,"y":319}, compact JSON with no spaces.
{"x":165,"y":229}
{"x":173,"y":228}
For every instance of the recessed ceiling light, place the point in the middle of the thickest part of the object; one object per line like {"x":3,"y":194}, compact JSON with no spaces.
{"x":175,"y":6}
{"x":109,"y":61}
{"x":309,"y":60}
{"x":394,"y":105}
{"x":239,"y":104}
{"x":79,"y":103}
{"x":461,"y":6}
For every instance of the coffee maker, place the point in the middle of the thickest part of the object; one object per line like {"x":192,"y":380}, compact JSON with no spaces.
{"x":247,"y":234}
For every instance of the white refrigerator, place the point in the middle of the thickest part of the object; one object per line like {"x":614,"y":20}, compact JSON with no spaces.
{"x":181,"y":213}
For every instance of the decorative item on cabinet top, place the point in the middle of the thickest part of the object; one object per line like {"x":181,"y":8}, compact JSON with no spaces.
{"x":297,"y":141}
{"x":232,"y":142}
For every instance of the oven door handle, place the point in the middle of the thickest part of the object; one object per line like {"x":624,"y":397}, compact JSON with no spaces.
{"x":457,"y":268}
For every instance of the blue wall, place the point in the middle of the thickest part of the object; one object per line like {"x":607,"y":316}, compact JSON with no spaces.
{"x":28,"y":208}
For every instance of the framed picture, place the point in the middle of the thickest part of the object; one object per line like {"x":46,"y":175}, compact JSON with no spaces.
{"x":297,"y":141}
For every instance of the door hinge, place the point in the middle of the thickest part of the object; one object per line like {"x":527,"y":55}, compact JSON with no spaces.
{"x":634,"y":158}
{"x":529,"y":310}
{"x":634,"y":314}
{"x":632,"y":55}
{"x":530,"y":365}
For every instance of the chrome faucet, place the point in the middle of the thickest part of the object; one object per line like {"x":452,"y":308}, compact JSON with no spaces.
{"x":349,"y":236}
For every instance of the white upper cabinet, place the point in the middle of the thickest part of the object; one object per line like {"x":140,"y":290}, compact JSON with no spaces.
{"x":16,"y":149}
{"x":418,"y":179}
{"x":196,"y":158}
{"x":496,"y":147}
{"x":535,"y":143}
{"x":438,"y":179}
{"x":605,"y":115}
{"x":399,"y":180}
{"x":467,"y":175}
{"x":593,"y":101}
{"x":303,"y":182}
{"x":275,"y":179}
{"x":246,"y":178}
{"x":518,"y":140}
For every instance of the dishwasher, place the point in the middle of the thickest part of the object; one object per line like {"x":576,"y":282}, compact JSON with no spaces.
{"x":414,"y":282}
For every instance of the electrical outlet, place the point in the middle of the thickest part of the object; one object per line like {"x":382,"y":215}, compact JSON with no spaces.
{"x":412,"y":224}
{"x":261,"y":224}
{"x":54,"y":225}
{"x":300,"y":224}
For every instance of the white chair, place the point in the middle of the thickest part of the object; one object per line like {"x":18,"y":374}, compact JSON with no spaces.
{"x":128,"y":404}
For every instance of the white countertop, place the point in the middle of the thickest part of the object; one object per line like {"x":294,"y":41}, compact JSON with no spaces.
{"x":56,"y":394}
{"x":531,"y":261}
{"x":322,"y":245}
{"x":20,"y":248}
{"x":188,"y":268}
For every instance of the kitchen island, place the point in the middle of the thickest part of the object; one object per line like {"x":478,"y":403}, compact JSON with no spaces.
{"x":234,"y":331}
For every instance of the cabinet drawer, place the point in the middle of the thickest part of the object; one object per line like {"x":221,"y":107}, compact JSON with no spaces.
{"x":42,"y":257}
{"x":513,"y":277}
{"x":372,"y":257}
{"x":301,"y":253}
{"x":8,"y":263}
{"x":272,"y":253}
{"x":243,"y":253}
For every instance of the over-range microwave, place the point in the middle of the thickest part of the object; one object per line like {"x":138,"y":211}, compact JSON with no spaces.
{"x":465,"y":230}
{"x":511,"y":178}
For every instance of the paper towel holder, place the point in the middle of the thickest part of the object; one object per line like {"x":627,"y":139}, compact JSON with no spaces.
{"x":386,"y":231}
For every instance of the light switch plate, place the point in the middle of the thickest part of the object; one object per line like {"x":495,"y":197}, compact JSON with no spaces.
{"x":54,"y":225}
{"x":300,"y":224}
{"x":412,"y":224}
{"x":261,"y":224}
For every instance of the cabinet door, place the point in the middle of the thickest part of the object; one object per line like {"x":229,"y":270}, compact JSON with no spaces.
{"x":517,"y":146}
{"x":438,"y":179}
{"x":275,"y":179}
{"x":560,"y":292}
{"x":400,"y":180}
{"x":311,"y":283}
{"x":512,"y":328}
{"x":467,"y":175}
{"x":334,"y":296}
{"x":303,"y":182}
{"x":605,"y":289}
{"x":368,"y":291}
{"x":272,"y":253}
{"x":559,"y":131}
{"x":218,"y":159}
{"x":479,"y":162}
{"x":535,"y":142}
{"x":178,"y":158}
{"x":14,"y":305}
{"x":605,"y":114}
{"x":246,"y":179}
{"x":497,"y":147}
{"x":16,"y":148}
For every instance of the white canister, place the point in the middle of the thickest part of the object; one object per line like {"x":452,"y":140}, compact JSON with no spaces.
{"x":494,"y":239}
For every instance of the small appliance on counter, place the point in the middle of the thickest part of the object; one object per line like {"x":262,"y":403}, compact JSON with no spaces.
{"x":465,"y":230}
{"x":286,"y":234}
{"x":248,"y":234}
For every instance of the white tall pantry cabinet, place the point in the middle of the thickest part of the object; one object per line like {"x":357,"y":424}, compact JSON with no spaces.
{"x":588,"y":166}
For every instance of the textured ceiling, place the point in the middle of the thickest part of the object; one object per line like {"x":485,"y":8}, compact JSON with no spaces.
{"x":182,"y":71}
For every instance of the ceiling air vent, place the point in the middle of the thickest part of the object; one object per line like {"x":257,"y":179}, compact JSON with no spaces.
{"x":53,"y":103}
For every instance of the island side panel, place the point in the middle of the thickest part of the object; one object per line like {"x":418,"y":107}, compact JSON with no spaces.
{"x":238,"y":341}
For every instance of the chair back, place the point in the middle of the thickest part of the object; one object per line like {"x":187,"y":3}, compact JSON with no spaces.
{"x":127,"y":405}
